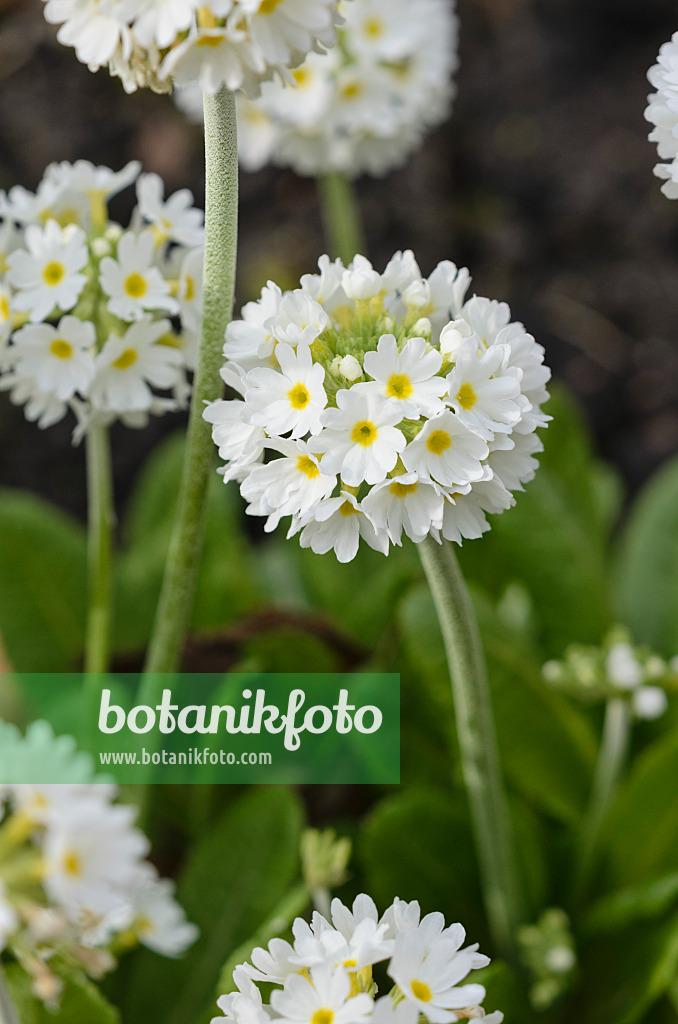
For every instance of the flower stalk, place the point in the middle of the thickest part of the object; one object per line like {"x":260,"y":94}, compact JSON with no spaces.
{"x":341,"y":216}
{"x":101,"y":520}
{"x":477,"y":743}
{"x":221,"y":220}
{"x":611,"y":758}
{"x":8,"y":1013}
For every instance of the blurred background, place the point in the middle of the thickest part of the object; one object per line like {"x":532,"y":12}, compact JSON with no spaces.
{"x":541,"y":183}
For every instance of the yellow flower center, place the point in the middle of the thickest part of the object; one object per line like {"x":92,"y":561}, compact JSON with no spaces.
{"x":61,"y":348}
{"x":399,"y":386}
{"x":135,"y":286}
{"x":268,"y":7}
{"x":402,"y":490}
{"x":72,"y":863}
{"x":348,"y":509}
{"x":466,"y":396}
{"x":302,"y":76}
{"x":374,"y":27}
{"x":364,"y":433}
{"x":421,"y":991}
{"x":299,"y":396}
{"x":438,"y":441}
{"x":4,"y":308}
{"x":53,"y":273}
{"x":323,"y":1016}
{"x":126,"y":359}
{"x":189,"y":294}
{"x":352,"y":90}
{"x":308,"y":467}
{"x":212,"y":41}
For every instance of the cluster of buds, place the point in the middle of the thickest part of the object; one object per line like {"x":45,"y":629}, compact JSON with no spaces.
{"x":325,"y":976}
{"x":75,"y":885}
{"x":616,"y":669}
{"x":96,"y":318}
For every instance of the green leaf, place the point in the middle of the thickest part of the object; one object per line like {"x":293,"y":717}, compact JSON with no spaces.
{"x":621,"y":982}
{"x":81,"y":1000}
{"x":647,"y":568}
{"x":235,"y":877}
{"x":417,"y":845}
{"x":227,"y":585}
{"x":636,"y":903}
{"x":43,"y":581}
{"x":641,"y":836}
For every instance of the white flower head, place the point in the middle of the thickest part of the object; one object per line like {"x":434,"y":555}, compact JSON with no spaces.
{"x":128,"y":365}
{"x":59,"y":359}
{"x":421,"y":434}
{"x":134,"y":285}
{"x":47,"y":274}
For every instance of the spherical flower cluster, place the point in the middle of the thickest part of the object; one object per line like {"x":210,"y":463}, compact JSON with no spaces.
{"x":662,"y":112}
{"x":232,"y":43}
{"x":386,"y":404}
{"x":95,"y":317}
{"x":362,"y":107}
{"x":73,"y":873}
{"x":326,"y":975}
{"x":616,"y":669}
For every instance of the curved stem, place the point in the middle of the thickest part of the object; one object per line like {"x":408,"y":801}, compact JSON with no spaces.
{"x":481,"y":771}
{"x":341,"y":216}
{"x":101,"y":519}
{"x":8,"y":1014}
{"x":221,"y":229}
{"x":612,"y":755}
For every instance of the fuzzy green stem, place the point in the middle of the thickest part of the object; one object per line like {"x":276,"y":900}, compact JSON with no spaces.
{"x":611,"y":757}
{"x":502,"y":890}
{"x":341,"y":216}
{"x":8,"y":1014}
{"x":101,"y":520}
{"x":221,"y":232}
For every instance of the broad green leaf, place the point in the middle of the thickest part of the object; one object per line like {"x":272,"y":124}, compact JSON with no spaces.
{"x":636,"y":903}
{"x":81,"y":1001}
{"x":417,"y":845}
{"x":235,"y":877}
{"x":647,"y":569}
{"x":622,"y":980}
{"x":227,"y":585}
{"x":641,"y":837}
{"x":43,"y":581}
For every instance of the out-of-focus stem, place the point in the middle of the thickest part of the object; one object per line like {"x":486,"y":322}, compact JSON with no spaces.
{"x":101,"y":518}
{"x":341,"y":216}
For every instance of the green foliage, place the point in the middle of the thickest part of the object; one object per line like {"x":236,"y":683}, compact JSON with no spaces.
{"x":43,"y":572}
{"x":647,"y":569}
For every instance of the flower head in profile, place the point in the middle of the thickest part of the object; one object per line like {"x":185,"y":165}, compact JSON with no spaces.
{"x":232,"y":43}
{"x":325,"y":976}
{"x":96,"y":319}
{"x":365,"y":106}
{"x":376,"y":405}
{"x":662,"y":112}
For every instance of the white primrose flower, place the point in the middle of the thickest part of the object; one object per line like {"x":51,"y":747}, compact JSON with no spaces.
{"x":423,"y":433}
{"x":127,"y":366}
{"x":325,"y":975}
{"x":158,"y":921}
{"x":237,"y":43}
{"x":133,"y":284}
{"x":46,"y":273}
{"x":289,"y":401}
{"x":59,"y":359}
{"x":174,"y":219}
{"x":360,"y":437}
{"x":80,"y":263}
{"x":322,"y":998}
{"x":364,"y":106}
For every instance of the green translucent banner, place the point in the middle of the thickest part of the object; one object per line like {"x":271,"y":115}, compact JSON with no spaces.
{"x":211,"y":728}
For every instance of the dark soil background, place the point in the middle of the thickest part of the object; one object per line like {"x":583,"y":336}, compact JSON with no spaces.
{"x":541,"y":184}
